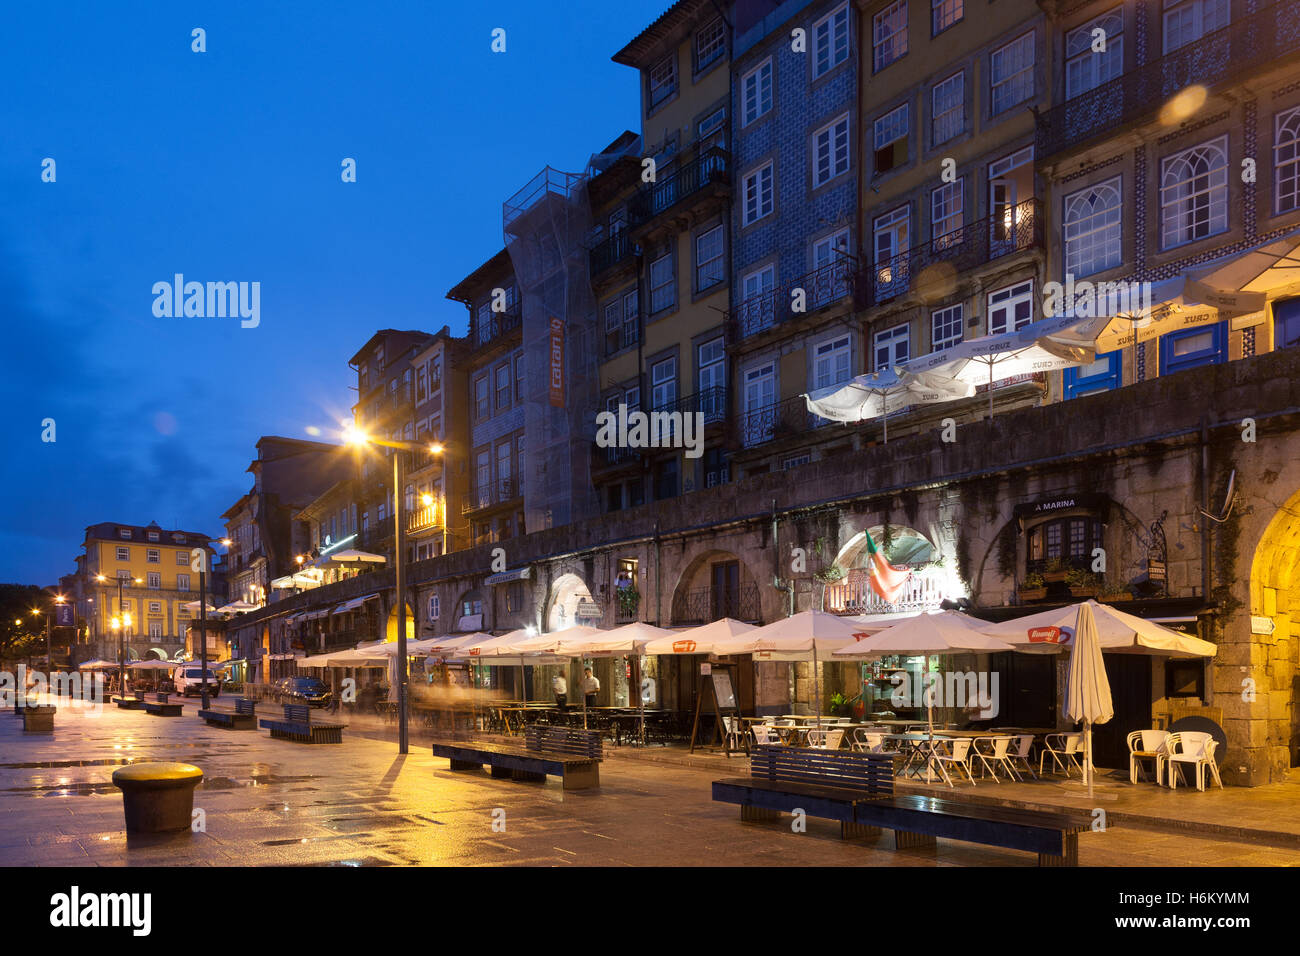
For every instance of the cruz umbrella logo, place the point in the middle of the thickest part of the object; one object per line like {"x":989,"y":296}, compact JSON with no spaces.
{"x":683,"y":647}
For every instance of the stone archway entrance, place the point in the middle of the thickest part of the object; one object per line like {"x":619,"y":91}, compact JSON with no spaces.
{"x":1272,"y":718}
{"x":567,"y":593}
{"x":932,"y":579}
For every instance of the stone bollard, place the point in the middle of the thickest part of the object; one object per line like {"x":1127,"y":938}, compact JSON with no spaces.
{"x":157,"y":797}
{"x":38,"y":719}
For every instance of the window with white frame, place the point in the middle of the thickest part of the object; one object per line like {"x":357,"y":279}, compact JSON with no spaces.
{"x":890,"y":138}
{"x":710,"y":44}
{"x":756,"y":89}
{"x":759,"y":397}
{"x":183,"y":558}
{"x":663,"y":383}
{"x":943,"y":14}
{"x":663,"y":79}
{"x":756,"y":304}
{"x":831,"y":151}
{"x":182,"y":582}
{"x":794,"y":461}
{"x":155,"y":630}
{"x":948,"y":108}
{"x":893,"y":347}
{"x":1186,"y":21}
{"x":1091,"y":229}
{"x":830,"y":263}
{"x":711,"y":131}
{"x":1194,"y":193}
{"x":620,"y":327}
{"x":946,"y":219}
{"x":154,"y":580}
{"x":435,"y":607}
{"x":1085,"y":68}
{"x":888,"y":35}
{"x":1011,"y":308}
{"x":124,"y":554}
{"x":1286,"y":160}
{"x":155,"y":607}
{"x":662,"y":287}
{"x":831,"y":362}
{"x":830,"y":37}
{"x":153,"y":556}
{"x":758,"y":194}
{"x":482,"y":399}
{"x":890,"y":237}
{"x":708,"y":258}
{"x":1011,"y":74}
{"x":946,"y":327}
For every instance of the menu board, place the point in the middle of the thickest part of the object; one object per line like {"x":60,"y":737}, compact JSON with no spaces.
{"x":722,"y":689}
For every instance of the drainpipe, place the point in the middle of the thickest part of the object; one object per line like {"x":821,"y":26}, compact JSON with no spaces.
{"x":1205,"y":510}
{"x":658,"y":579}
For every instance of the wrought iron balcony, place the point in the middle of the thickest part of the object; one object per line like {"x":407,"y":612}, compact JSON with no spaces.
{"x":687,"y":177}
{"x":854,"y":595}
{"x":499,"y":324}
{"x":783,"y":419}
{"x":491,"y":494}
{"x":613,"y":455}
{"x":821,"y":287}
{"x":624,"y":337}
{"x":710,"y":402}
{"x":428,"y":516}
{"x":1241,"y":48}
{"x":606,"y":255}
{"x":702,"y":605}
{"x":1020,"y":227}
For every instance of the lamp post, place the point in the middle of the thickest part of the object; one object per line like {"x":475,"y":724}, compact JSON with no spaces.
{"x":354,"y":436}
{"x":200,"y":558}
{"x":121,"y":630}
{"x":49,"y":627}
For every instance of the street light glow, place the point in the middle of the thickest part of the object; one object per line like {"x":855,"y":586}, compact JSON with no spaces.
{"x":352,"y":435}
{"x":437,"y":448}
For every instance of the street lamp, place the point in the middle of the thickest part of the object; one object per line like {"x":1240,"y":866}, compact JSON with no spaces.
{"x":120,"y":626}
{"x":358,"y":438}
{"x":199,"y":561}
{"x":49,"y":625}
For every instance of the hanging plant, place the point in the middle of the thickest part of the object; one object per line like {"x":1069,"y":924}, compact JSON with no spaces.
{"x":629,"y":599}
{"x":830,"y":575}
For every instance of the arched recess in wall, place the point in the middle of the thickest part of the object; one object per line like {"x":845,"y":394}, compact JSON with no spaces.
{"x":1275,"y":594}
{"x":567,"y":593}
{"x":714,"y":585}
{"x":932,"y":579}
{"x":390,"y":626}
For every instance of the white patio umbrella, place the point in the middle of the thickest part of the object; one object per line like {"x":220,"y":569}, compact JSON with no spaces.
{"x":1087,"y":691}
{"x":877,"y":394}
{"x":1117,"y":632}
{"x":940,"y":632}
{"x":698,"y":640}
{"x":193,"y":607}
{"x":628,"y":640}
{"x":353,"y":556}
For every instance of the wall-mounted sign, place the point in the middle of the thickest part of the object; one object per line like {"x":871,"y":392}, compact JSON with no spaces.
{"x":556,"y":376}
{"x":1262,"y":625}
{"x":1155,"y":570}
{"x":589,"y":611}
{"x":63,"y":615}
{"x":706,"y":669}
{"x":1089,"y":500}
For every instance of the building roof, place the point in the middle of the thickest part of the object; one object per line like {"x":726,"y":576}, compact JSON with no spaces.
{"x":672,"y":25}
{"x":470,"y":287}
{"x":408,"y":335}
{"x":109,"y":531}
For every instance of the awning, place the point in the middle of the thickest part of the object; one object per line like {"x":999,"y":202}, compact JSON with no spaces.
{"x":315,"y":615}
{"x":352,"y":556}
{"x":505,"y":577}
{"x":353,"y":604}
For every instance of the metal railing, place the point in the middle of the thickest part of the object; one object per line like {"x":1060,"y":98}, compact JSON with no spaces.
{"x":427,"y":516}
{"x":1237,"y":50}
{"x":1019,"y":227}
{"x":702,"y":605}
{"x":483,"y":333}
{"x":710,"y":402}
{"x":687,"y":177}
{"x":493,"y":493}
{"x":821,"y":287}
{"x":783,"y":419}
{"x":606,"y":255}
{"x":853,"y":595}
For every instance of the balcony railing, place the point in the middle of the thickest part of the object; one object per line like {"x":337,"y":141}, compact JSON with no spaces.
{"x":624,"y":337}
{"x":853,"y":595}
{"x":821,"y":287}
{"x":686,"y":178}
{"x":427,"y":516}
{"x":783,"y":419}
{"x":1019,"y":227}
{"x":606,"y":255}
{"x":710,"y":402}
{"x":1235,"y":52}
{"x":613,"y":455}
{"x":484,"y":332}
{"x":491,"y":494}
{"x":703,"y":605}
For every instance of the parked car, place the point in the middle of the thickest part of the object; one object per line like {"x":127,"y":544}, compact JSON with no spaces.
{"x":302,"y":690}
{"x":188,"y":680}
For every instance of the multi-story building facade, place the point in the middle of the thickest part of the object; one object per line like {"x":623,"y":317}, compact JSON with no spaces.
{"x":435,"y":479}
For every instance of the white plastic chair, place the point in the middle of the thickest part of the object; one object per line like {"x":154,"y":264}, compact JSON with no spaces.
{"x":997,"y":753}
{"x":865,"y":741}
{"x":1196,"y":748}
{"x":1147,"y":745}
{"x":765,"y":735}
{"x":953,"y":752}
{"x":825,"y":739}
{"x":1020,"y":754}
{"x":1064,"y":752}
{"x":735,"y":736}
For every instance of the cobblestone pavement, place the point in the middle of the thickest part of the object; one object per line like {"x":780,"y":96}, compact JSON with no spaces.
{"x":272,"y":802}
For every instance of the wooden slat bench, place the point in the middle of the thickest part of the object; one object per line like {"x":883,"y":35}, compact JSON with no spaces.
{"x":822,"y":783}
{"x":244,"y":717}
{"x":160,"y":707}
{"x":297,"y":725}
{"x":570,"y":754}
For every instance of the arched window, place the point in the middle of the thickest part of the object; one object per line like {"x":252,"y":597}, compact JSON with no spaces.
{"x":1194,"y":193}
{"x":1091,"y":230}
{"x":1286,"y":160}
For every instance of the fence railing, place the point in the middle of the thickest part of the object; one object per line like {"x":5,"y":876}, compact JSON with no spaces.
{"x":492,"y":493}
{"x":687,"y":176}
{"x":821,"y":287}
{"x":783,"y":419}
{"x":853,"y":595}
{"x":702,"y":605}
{"x":484,"y":332}
{"x":609,"y":253}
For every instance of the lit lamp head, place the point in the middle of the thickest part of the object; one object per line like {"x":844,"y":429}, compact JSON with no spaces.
{"x":426,"y":500}
{"x":437,"y":448}
{"x":354,"y":436}
{"x":115,"y":623}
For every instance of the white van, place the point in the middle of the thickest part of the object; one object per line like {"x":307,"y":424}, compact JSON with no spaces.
{"x":188,"y":680}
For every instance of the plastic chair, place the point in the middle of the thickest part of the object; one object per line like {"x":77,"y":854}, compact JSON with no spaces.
{"x":865,"y":741}
{"x":825,"y":739}
{"x":953,"y":752}
{"x":997,"y":754}
{"x":1064,"y":752}
{"x":765,"y":735}
{"x":735,"y":736}
{"x":1196,"y":748}
{"x":1020,"y":754}
{"x":1147,"y":745}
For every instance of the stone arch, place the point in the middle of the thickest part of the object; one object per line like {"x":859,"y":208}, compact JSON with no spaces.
{"x":715,"y":583}
{"x":160,"y":654}
{"x":390,"y":623}
{"x":477,"y":601}
{"x":933,"y":577}
{"x":567,"y":591}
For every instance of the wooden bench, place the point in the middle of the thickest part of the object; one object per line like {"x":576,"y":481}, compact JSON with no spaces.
{"x":128,"y":703}
{"x":572,"y":755}
{"x":297,"y":725}
{"x":244,"y":717}
{"x":858,"y":791}
{"x":822,"y":783}
{"x":159,"y":707}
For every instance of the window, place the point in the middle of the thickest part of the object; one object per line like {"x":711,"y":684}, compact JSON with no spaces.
{"x":710,"y":44}
{"x":891,"y":139}
{"x":1092,"y":230}
{"x":795,"y":461}
{"x":155,"y":607}
{"x":756,"y":88}
{"x":124,"y":554}
{"x":183,"y":559}
{"x":666,"y":479}
{"x":421,"y":384}
{"x":1102,"y":375}
{"x":663,"y":291}
{"x":948,"y":108}
{"x":831,"y":151}
{"x":124,"y":533}
{"x":831,"y":362}
{"x":709,"y":267}
{"x":946,"y":327}
{"x":1011,"y":74}
{"x":943,"y":14}
{"x":1011,"y":308}
{"x":757,"y":307}
{"x":1286,"y":323}
{"x":153,"y":556}
{"x":154,"y":580}
{"x":1086,"y":69}
{"x":155,"y":630}
{"x":1070,"y":540}
{"x":151,"y":535}
{"x":663,"y":79}
{"x":503,"y":383}
{"x":124,"y":575}
{"x":946,"y":214}
{"x":663,"y":383}
{"x":1286,"y":160}
{"x":890,"y":234}
{"x":830,"y":41}
{"x":182,"y":582}
{"x":711,"y":379}
{"x":712,"y":130}
{"x":621,"y":322}
{"x":760,"y":395}
{"x":1194,"y":193}
{"x":888,"y":35}
{"x":830,"y":261}
{"x":482,"y":401}
{"x":505,"y":488}
{"x":435,"y":607}
{"x":1188,"y":348}
{"x":893,"y":346}
{"x":1189,"y":20}
{"x":758,"y":194}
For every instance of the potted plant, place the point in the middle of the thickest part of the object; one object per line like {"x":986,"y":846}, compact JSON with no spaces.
{"x":1113,"y":593}
{"x":629,"y":599}
{"x":1082,"y":584}
{"x":839,"y":705}
{"x":1032,"y":589}
{"x":1055,"y":571}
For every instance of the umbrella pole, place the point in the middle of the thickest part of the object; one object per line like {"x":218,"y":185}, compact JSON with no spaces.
{"x":990,"y":391}
{"x":1087,"y":754}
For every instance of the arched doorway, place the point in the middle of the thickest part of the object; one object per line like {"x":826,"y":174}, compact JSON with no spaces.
{"x":390,"y":626}
{"x":931,"y":581}
{"x":1275,"y":597}
{"x":714,"y":585}
{"x":567,"y":593}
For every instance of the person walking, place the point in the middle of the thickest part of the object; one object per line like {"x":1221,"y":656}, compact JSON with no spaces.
{"x":561,"y":688}
{"x":590,"y":687}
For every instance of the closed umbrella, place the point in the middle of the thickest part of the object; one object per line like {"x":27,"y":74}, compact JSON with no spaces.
{"x":1087,"y":692}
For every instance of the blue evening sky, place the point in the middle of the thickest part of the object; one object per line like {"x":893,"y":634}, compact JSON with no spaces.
{"x":225,"y":166}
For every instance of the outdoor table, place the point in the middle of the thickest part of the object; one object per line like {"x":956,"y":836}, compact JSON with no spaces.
{"x":911,"y":745}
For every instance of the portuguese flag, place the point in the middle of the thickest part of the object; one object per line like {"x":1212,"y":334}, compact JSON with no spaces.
{"x":886,"y":580}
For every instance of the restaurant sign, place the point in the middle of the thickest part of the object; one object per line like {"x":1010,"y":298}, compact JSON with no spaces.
{"x":1050,"y":635}
{"x":683,"y":647}
{"x":1089,"y":500}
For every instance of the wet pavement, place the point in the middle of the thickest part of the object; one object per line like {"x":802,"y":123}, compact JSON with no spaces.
{"x":274,"y":802}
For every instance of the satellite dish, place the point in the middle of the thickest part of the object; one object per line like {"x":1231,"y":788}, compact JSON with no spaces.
{"x":1228,"y":499}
